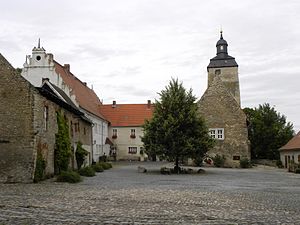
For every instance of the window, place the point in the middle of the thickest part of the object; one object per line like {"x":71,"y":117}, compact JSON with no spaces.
{"x":218,"y":72}
{"x":77,"y":128}
{"x":236,"y":157}
{"x":221,"y":47}
{"x":298,"y":158}
{"x":132,"y":133}
{"x":217,"y":133}
{"x":114,"y":133}
{"x":132,"y":150}
{"x":46,"y":114}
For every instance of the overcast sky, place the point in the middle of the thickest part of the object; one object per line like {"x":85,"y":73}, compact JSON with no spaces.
{"x":129,"y":49}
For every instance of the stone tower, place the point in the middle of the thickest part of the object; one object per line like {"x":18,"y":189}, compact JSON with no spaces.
{"x":220,"y":107}
{"x":225,"y":66}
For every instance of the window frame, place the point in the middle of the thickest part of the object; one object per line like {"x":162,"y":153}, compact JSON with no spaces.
{"x":217,"y":133}
{"x":132,"y":150}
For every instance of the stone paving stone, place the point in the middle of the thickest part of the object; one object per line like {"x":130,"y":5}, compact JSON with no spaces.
{"x":124,"y":196}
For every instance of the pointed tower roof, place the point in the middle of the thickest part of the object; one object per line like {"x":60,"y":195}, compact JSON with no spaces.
{"x":222,"y":59}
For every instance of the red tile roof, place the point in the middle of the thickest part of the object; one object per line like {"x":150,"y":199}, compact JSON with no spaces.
{"x":293,"y":144}
{"x":85,"y":96}
{"x":127,"y":115}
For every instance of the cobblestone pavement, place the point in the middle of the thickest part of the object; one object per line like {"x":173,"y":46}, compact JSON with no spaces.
{"x":124,"y":196}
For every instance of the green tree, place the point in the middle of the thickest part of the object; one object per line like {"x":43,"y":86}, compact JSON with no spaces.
{"x":176,"y":129}
{"x":62,"y":145}
{"x":268,"y":131}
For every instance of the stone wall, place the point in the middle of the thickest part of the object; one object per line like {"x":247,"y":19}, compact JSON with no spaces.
{"x":229,"y":76}
{"x":220,"y":110}
{"x":16,"y":128}
{"x":28,"y":125}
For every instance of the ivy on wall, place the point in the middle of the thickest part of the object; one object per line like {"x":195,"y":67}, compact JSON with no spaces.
{"x":62,"y":145}
{"x":80,"y":154}
{"x":40,"y":166}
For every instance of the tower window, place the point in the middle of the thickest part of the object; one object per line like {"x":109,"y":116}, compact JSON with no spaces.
{"x":217,"y":72}
{"x":46,"y":114}
{"x":221,"y":47}
{"x":38,"y":58}
{"x":217,"y":133}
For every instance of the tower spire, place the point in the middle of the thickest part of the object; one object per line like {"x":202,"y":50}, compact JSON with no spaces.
{"x":39,"y":43}
{"x":221,"y":33}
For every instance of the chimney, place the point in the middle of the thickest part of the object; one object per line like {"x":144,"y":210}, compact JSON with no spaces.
{"x":67,"y":67}
{"x":114,"y":105}
{"x":149,"y":104}
{"x":50,"y":55}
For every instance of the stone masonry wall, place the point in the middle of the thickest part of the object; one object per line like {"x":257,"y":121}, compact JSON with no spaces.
{"x":16,"y":130}
{"x":229,"y":76}
{"x":220,"y":110}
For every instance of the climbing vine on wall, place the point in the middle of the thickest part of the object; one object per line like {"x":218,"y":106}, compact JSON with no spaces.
{"x":40,"y":166}
{"x":62,"y":145}
{"x":80,"y":154}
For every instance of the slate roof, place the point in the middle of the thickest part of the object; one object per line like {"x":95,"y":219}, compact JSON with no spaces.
{"x":48,"y":93}
{"x":127,"y":115}
{"x":222,"y":60}
{"x":86,"y":97}
{"x":293,"y":144}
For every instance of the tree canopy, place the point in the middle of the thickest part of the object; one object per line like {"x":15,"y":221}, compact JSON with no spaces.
{"x":267,"y":131}
{"x":176,"y":129}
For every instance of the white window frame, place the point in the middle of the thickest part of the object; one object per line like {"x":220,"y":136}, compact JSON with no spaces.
{"x":217,"y":133}
{"x":115,"y":132}
{"x":132,"y":150}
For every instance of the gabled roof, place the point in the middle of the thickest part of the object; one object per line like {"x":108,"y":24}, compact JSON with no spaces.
{"x":127,"y":115}
{"x":293,"y":144}
{"x":86,"y":97}
{"x":67,"y":104}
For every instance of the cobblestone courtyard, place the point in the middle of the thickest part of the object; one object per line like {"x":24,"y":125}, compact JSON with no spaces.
{"x":124,"y":196}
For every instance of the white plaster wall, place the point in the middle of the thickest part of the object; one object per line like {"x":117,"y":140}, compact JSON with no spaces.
{"x":124,"y":141}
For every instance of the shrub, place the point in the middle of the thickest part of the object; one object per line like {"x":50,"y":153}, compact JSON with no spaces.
{"x":102,"y":158}
{"x":245,"y":163}
{"x":80,"y":154}
{"x":297,"y":170}
{"x":279,"y":164}
{"x":219,"y":160}
{"x":87,"y":171}
{"x":69,"y":176}
{"x":105,"y":165}
{"x":198,"y":161}
{"x":97,"y":167}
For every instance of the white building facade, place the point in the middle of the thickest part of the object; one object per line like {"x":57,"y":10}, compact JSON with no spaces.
{"x":40,"y":66}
